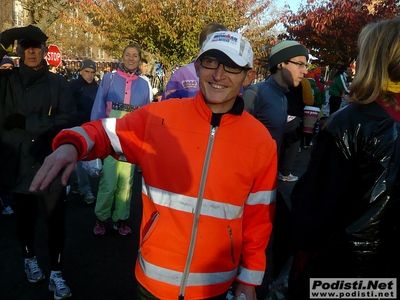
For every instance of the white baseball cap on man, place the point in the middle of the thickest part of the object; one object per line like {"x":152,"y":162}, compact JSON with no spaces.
{"x":232,"y":44}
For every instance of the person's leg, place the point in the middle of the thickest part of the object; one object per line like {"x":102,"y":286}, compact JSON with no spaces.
{"x":289,"y":158}
{"x":107,"y":188}
{"x":26,"y":205}
{"x":143,"y":294}
{"x":123,"y":193}
{"x":334,"y":104}
{"x":84,"y":183}
{"x":83,"y":178}
{"x":55,"y":208}
{"x":290,"y":147}
{"x":123,"y":197}
{"x":55,"y":204}
{"x":6,"y":204}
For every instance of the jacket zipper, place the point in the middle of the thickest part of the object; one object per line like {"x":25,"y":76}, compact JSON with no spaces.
{"x":199,"y":204}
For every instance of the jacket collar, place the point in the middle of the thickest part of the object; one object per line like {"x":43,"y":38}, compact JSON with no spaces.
{"x":215,"y":119}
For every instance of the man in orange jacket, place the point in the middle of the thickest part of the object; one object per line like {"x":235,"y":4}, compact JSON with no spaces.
{"x":208,"y":210}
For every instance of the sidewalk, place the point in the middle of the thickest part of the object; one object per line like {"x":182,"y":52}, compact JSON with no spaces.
{"x":95,"y":267}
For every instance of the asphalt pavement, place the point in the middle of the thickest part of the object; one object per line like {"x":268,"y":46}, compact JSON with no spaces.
{"x":95,"y":267}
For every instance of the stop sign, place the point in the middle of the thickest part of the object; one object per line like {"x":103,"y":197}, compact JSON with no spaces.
{"x":53,"y":56}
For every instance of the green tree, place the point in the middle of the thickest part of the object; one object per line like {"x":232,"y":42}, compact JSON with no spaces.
{"x":170,"y":29}
{"x":329,"y":29}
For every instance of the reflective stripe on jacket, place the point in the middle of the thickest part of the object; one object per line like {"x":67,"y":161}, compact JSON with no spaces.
{"x":208,"y":193}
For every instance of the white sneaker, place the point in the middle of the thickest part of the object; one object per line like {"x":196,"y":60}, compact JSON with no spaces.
{"x":58,"y":286}
{"x":289,"y":178}
{"x":32,"y":270}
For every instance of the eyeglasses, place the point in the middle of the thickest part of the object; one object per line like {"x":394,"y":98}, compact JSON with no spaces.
{"x":299,"y":64}
{"x":213,"y":64}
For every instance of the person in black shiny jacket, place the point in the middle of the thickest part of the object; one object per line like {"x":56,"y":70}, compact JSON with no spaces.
{"x":345,"y":208}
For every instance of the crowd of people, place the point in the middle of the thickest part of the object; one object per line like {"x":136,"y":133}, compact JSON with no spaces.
{"x":211,"y":154}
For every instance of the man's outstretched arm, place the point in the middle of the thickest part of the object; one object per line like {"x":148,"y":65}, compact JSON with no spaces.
{"x":64,"y":157}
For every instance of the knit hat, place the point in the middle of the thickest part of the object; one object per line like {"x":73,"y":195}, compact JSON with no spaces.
{"x":87,"y":63}
{"x":285,"y":50}
{"x":232,"y":44}
{"x":6,"y":60}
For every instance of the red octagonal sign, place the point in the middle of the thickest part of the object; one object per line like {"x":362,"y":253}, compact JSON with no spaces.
{"x":53,"y":56}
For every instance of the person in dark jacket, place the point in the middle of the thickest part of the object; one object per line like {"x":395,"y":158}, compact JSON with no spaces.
{"x":84,"y":89}
{"x":345,"y":207}
{"x":35,"y":105}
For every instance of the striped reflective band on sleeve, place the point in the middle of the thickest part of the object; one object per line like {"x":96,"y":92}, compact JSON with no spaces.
{"x":250,"y":276}
{"x":175,"y":277}
{"x":89,"y":141}
{"x":187,"y":204}
{"x":262,"y":197}
{"x":110,"y":125}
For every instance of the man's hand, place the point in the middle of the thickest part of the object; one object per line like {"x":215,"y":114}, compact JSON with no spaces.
{"x":247,"y":290}
{"x":64,"y":156}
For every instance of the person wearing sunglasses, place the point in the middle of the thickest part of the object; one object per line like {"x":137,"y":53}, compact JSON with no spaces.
{"x":209,"y":178}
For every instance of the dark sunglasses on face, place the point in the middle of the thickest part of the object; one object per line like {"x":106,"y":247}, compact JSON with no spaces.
{"x":213,"y":64}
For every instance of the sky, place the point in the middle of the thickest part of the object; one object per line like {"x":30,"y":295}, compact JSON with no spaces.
{"x":294,"y":4}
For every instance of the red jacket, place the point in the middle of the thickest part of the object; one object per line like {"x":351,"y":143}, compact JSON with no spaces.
{"x":208,"y":192}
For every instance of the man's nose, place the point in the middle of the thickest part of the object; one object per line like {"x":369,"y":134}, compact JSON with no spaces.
{"x":219,"y":72}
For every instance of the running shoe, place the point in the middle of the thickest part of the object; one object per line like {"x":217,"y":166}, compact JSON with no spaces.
{"x":289,"y":178}
{"x":89,"y":198}
{"x":122,"y":228}
{"x":32,"y":270}
{"x":99,"y":228}
{"x":58,"y":286}
{"x":7,"y":211}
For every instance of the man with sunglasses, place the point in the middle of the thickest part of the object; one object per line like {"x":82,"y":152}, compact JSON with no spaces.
{"x":35,"y":105}
{"x":209,"y":178}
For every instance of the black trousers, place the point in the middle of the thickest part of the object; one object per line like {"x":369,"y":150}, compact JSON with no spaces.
{"x":143,"y":294}
{"x":334,"y":104}
{"x":54,"y":207}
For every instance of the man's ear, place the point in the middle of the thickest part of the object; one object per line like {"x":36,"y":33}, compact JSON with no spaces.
{"x":196,"y":66}
{"x":279,"y":67}
{"x":250,"y":75}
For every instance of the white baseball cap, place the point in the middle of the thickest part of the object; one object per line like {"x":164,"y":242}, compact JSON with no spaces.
{"x":233,"y":44}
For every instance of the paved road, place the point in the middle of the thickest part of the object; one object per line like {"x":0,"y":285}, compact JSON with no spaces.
{"x":95,"y":267}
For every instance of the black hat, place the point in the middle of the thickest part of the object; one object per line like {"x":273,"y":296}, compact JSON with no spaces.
{"x":26,"y":43}
{"x":87,"y":63}
{"x":34,"y":37}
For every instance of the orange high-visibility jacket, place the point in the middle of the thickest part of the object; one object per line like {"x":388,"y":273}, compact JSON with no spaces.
{"x":208,"y":192}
